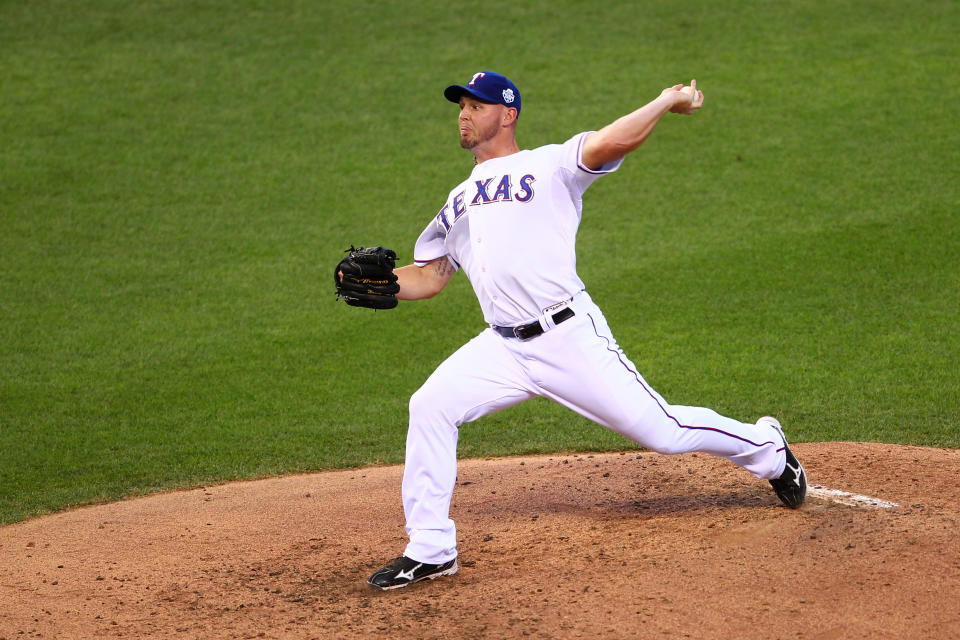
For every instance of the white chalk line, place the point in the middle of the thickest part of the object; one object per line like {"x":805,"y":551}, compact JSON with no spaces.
{"x":849,"y":499}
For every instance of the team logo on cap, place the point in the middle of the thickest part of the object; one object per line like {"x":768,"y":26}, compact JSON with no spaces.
{"x":508,"y":95}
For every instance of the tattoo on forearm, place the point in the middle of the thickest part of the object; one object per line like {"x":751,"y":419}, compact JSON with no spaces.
{"x":443,"y":266}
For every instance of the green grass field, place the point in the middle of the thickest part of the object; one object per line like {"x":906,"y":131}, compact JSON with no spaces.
{"x":178,"y":179}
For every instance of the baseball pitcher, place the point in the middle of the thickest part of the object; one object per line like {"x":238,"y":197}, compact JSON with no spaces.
{"x":511,"y":226}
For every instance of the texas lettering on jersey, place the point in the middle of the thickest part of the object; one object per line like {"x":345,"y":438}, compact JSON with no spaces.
{"x":486,"y":191}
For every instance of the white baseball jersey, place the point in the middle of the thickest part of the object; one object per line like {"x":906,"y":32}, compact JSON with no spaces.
{"x":512,"y":227}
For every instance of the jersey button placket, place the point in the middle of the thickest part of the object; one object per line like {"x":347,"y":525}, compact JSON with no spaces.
{"x":483,"y":263}
{"x":482,"y":258}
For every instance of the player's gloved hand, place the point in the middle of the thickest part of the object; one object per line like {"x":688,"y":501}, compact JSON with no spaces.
{"x":365,"y":278}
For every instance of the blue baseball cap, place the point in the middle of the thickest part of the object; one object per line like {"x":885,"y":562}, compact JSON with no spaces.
{"x":488,"y":87}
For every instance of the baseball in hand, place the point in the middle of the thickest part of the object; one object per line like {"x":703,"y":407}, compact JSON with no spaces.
{"x":690,"y":91}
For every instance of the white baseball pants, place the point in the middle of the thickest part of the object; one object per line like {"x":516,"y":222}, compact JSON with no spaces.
{"x":578,"y":364}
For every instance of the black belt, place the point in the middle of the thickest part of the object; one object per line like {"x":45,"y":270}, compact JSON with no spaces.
{"x":532,"y":330}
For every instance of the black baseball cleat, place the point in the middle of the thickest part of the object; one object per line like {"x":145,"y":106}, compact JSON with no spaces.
{"x":791,"y":486}
{"x":404,"y":571}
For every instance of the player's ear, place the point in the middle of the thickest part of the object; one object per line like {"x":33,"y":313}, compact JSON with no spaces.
{"x":509,"y":116}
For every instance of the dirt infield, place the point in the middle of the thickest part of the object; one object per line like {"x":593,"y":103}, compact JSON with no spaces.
{"x":622,"y":545}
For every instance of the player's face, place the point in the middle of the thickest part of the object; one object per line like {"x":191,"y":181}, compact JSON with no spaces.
{"x":478,"y":122}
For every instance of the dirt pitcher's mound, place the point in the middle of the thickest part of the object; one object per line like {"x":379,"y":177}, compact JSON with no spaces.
{"x":621,"y":545}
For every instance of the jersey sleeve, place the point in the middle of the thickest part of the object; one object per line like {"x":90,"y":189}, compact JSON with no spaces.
{"x":576,"y":171}
{"x":431,"y":245}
